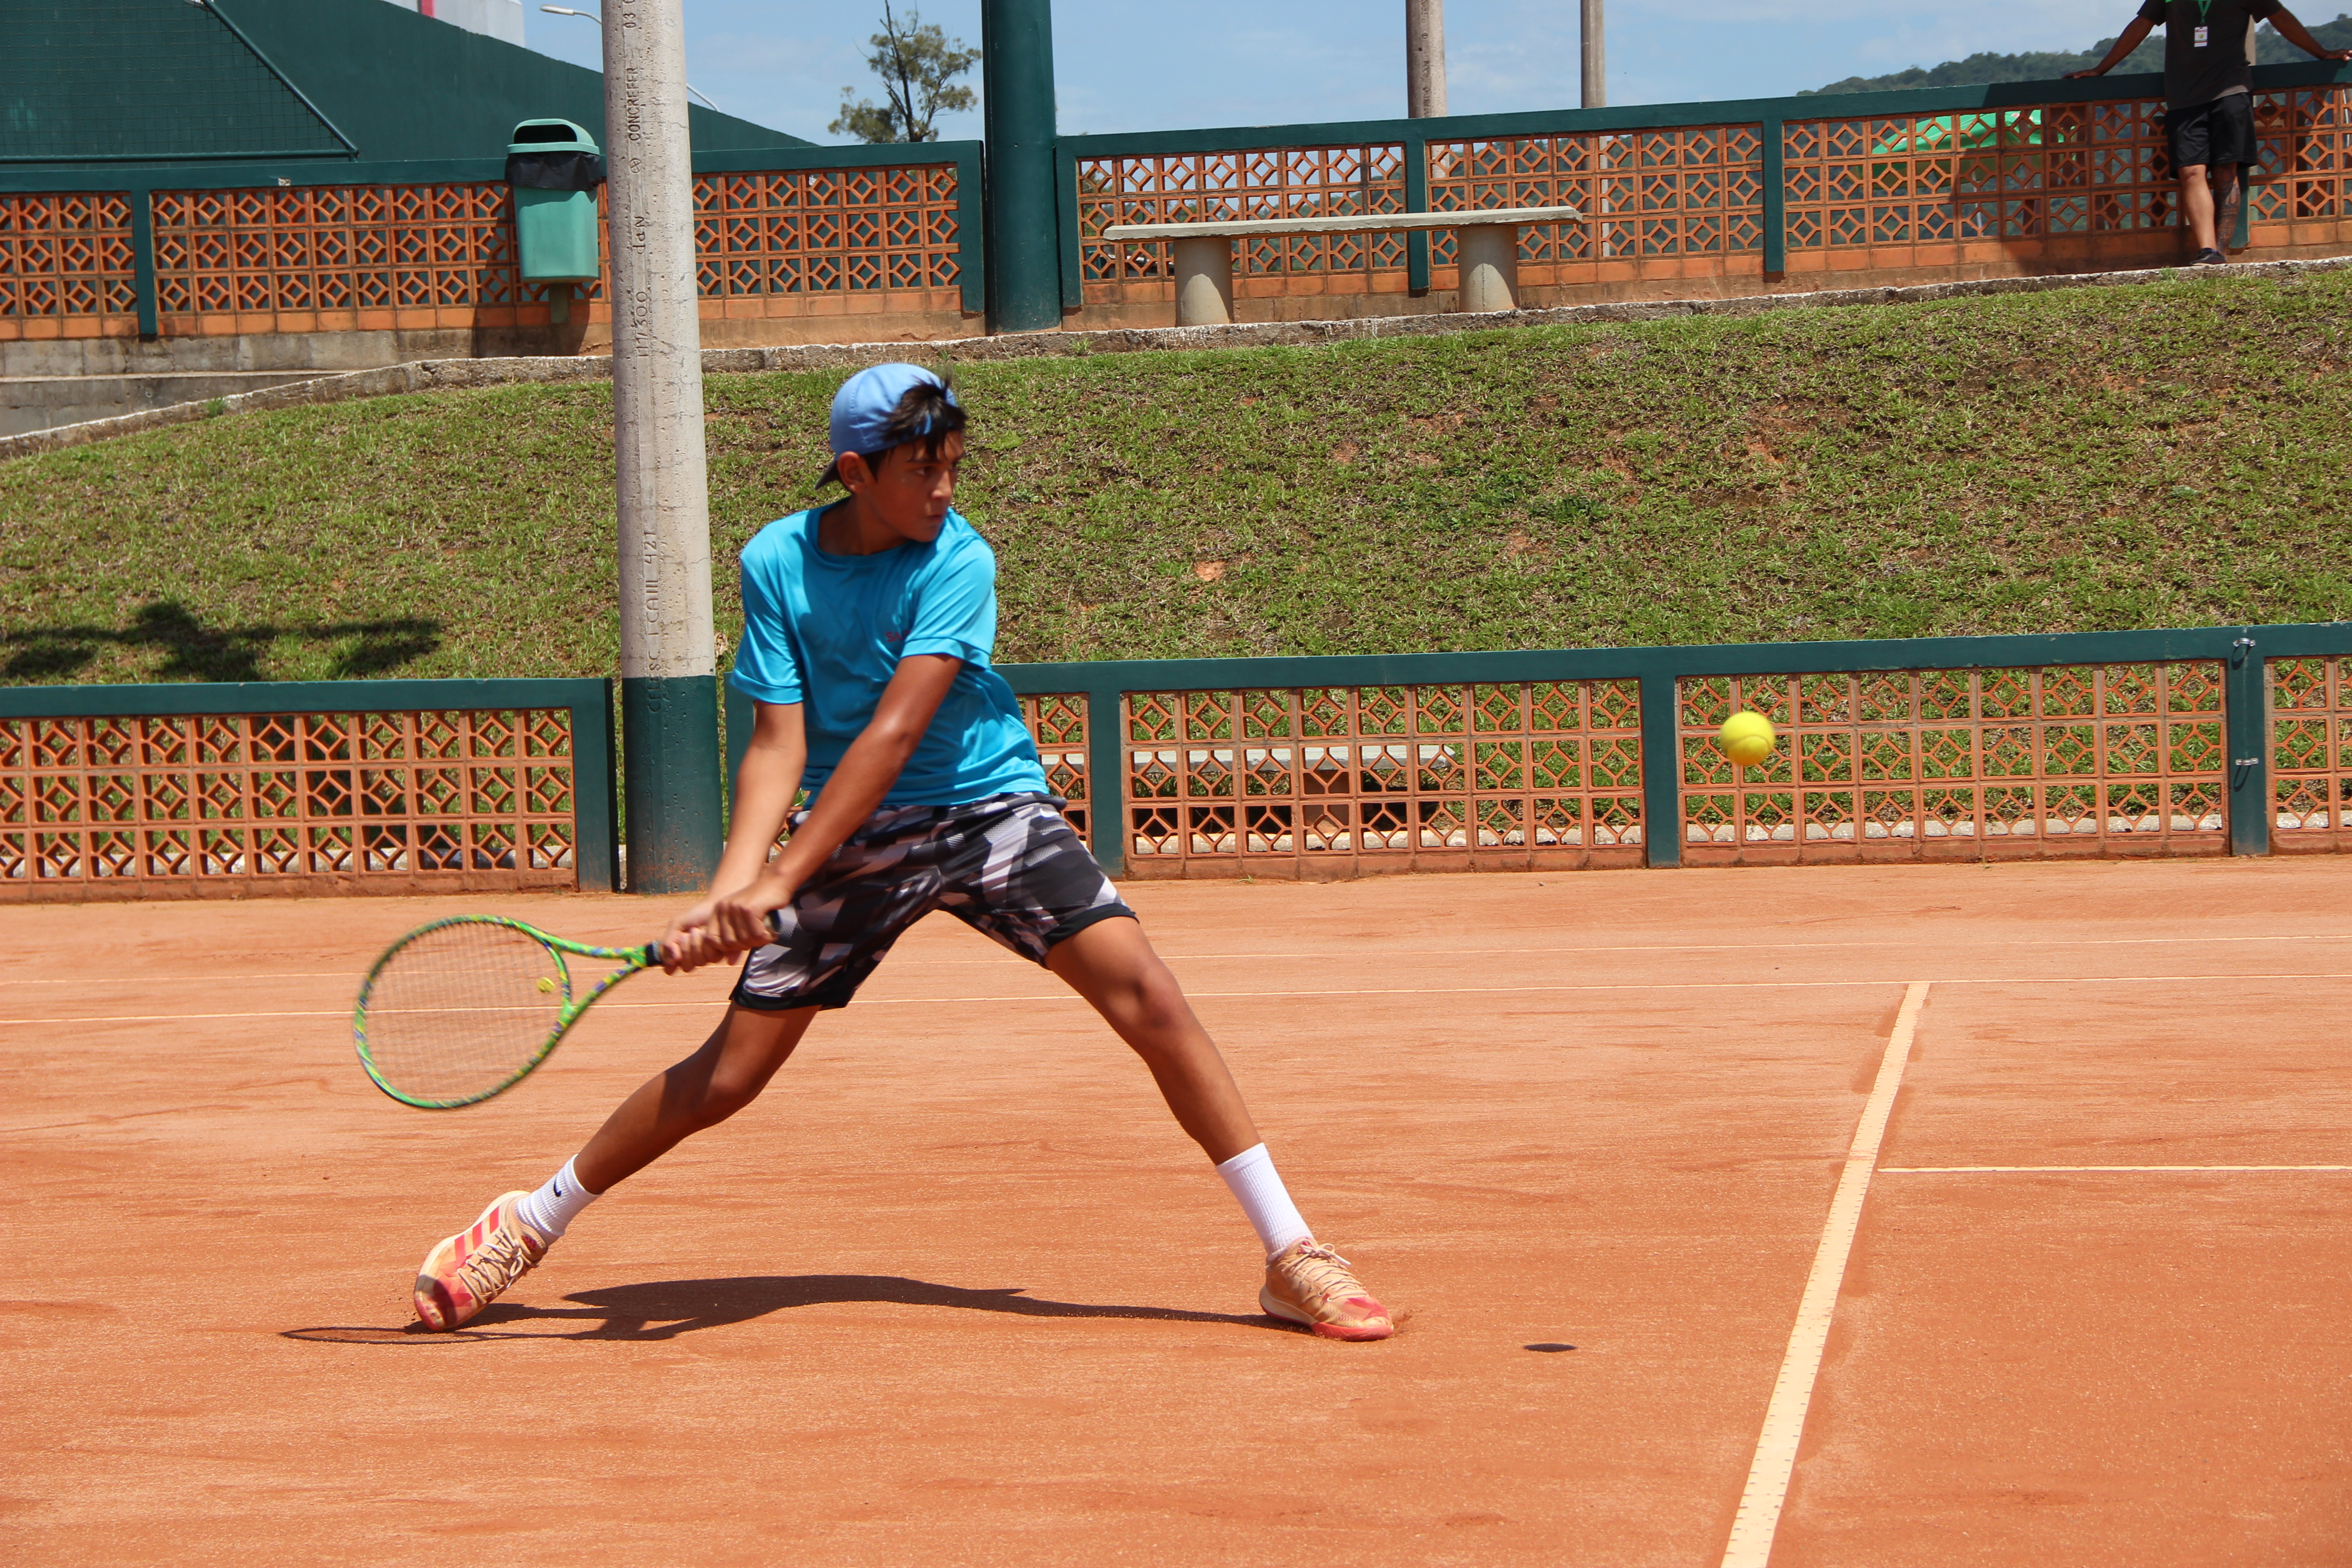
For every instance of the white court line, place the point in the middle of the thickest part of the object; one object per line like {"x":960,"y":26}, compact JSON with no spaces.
{"x":1385,"y":953}
{"x":2030,"y":1170}
{"x":1784,"y":1419}
{"x":346,"y":1012}
{"x":1820,"y":945}
{"x":216,"y":978}
{"x":1336,"y":992}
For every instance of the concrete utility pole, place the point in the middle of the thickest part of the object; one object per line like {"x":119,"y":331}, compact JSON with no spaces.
{"x":1596,"y":57}
{"x":1023,"y":244}
{"x":1424,"y":58}
{"x":669,"y":690}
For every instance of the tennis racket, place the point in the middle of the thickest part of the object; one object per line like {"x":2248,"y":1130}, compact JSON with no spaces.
{"x":462,"y":1009}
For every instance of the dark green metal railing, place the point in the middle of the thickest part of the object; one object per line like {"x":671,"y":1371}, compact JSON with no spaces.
{"x":1954,"y":107}
{"x":2212,"y":739}
{"x":139,"y":186}
{"x":2241,"y":748}
{"x":306,"y":786}
{"x":1909,"y":190}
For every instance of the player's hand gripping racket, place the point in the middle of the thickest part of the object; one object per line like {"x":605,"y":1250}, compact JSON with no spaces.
{"x":462,"y":1009}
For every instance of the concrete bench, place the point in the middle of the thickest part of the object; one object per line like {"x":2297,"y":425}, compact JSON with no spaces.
{"x":1485,"y":243}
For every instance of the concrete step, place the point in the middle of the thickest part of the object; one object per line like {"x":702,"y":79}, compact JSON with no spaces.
{"x":29,"y":403}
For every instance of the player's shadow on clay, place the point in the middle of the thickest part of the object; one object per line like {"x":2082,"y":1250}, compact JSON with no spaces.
{"x":667,"y":1309}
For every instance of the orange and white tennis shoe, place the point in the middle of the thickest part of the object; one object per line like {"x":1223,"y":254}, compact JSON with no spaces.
{"x":1308,"y":1283}
{"x":467,"y":1272}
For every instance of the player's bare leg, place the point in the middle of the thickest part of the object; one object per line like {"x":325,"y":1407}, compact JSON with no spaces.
{"x":2227,"y":191}
{"x":1111,"y":963}
{"x":468,"y":1271}
{"x":718,"y":1080}
{"x":2197,"y":207}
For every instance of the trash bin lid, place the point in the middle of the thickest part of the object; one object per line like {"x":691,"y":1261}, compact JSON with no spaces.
{"x":551,"y":136}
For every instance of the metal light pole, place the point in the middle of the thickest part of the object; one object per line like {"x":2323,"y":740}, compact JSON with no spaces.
{"x":593,"y":16}
{"x":669,"y":690}
{"x":1425,"y":58}
{"x":1596,"y":57}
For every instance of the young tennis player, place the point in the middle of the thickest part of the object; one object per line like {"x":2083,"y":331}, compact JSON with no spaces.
{"x":868,"y":629}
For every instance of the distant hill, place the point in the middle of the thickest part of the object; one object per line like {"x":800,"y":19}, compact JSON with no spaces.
{"x":2270,"y":49}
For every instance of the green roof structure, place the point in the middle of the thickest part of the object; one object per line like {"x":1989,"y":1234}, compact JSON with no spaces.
{"x":144,"y":81}
{"x":164,"y":81}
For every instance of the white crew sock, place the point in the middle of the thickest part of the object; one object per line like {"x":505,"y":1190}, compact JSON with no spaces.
{"x":1250,"y":1175}
{"x":550,"y":1210}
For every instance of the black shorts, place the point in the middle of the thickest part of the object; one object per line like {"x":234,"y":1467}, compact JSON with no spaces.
{"x":2222,"y":132}
{"x":1008,"y":867}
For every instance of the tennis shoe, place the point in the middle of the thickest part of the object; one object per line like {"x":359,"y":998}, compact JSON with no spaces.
{"x":1308,"y":1283}
{"x":470,"y":1270}
{"x":2210,"y":257}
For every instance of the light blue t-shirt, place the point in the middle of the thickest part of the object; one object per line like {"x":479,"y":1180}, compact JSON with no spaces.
{"x":828,"y":631}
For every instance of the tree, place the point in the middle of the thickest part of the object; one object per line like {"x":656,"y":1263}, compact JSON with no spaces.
{"x":918,"y":65}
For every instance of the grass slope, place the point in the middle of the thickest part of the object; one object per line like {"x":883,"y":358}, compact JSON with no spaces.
{"x":2085,"y":460}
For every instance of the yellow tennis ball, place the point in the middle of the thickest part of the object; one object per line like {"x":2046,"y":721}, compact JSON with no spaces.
{"x":1745,"y":738}
{"x":545,"y":983}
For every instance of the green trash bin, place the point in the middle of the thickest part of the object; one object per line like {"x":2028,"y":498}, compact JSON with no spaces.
{"x":554,"y":169}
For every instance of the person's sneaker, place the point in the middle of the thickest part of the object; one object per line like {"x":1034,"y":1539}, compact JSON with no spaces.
{"x":2210,"y":258}
{"x":467,"y":1272}
{"x":1308,"y":1283}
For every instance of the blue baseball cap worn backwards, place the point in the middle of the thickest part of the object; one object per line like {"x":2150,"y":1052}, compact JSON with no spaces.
{"x":862,"y":408}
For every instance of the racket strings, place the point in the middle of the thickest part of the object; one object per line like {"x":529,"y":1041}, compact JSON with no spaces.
{"x":456,"y":1012}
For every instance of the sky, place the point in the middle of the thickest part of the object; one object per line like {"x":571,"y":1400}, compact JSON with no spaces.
{"x":1126,"y":65}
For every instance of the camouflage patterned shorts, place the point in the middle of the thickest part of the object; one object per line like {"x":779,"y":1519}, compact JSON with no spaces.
{"x":1008,"y":867}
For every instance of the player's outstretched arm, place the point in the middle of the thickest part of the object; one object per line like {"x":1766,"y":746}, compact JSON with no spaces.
{"x":765,"y":782}
{"x":2292,"y":30}
{"x":2131,"y":37}
{"x":738,"y":922}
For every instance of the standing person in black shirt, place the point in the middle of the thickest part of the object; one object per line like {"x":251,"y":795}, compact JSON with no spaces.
{"x":2209,"y":116}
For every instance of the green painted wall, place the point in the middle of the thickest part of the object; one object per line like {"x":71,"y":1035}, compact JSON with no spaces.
{"x":400,"y":86}
{"x":405,"y":86}
{"x":109,"y":79}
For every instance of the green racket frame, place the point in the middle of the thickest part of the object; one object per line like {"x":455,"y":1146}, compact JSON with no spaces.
{"x":633,"y":960}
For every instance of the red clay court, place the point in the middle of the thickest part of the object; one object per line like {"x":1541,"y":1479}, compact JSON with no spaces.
{"x":959,"y":1291}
